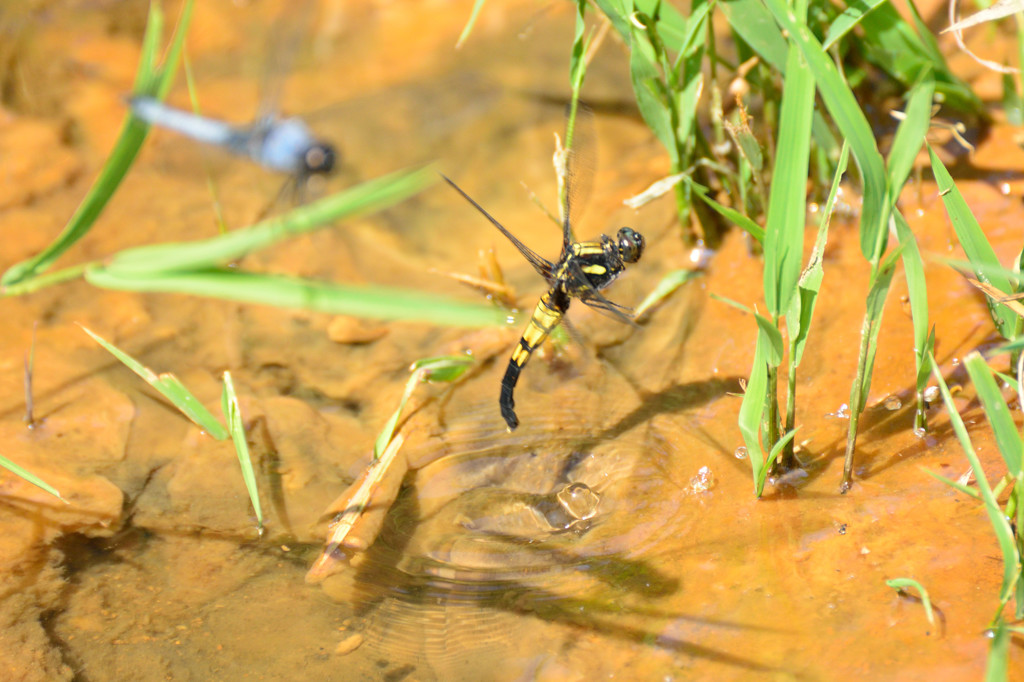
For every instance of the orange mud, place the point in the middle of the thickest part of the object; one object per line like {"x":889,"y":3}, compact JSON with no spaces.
{"x":154,"y":570}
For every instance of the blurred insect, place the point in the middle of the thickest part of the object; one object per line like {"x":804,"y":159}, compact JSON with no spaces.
{"x":280,"y":145}
{"x":284,"y":145}
{"x":582,"y":268}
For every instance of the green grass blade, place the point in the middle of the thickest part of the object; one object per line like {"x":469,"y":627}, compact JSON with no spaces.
{"x":762,"y":475}
{"x":992,"y":270}
{"x":168,"y":386}
{"x":754,"y":23}
{"x":975,"y":244}
{"x":688,"y":74}
{"x":672,"y":25}
{"x":965,"y":489}
{"x":998,"y":667}
{"x":164,"y":77}
{"x":147,"y":68}
{"x":477,"y":6}
{"x":848,"y":20}
{"x":30,"y":477}
{"x":850,"y":119}
{"x":910,"y":133}
{"x":801,"y":312}
{"x":444,"y":368}
{"x":769,"y":335}
{"x":1013,"y":105}
{"x":917,"y":292}
{"x":1000,"y":524}
{"x":751,"y":410}
{"x":902,"y":583}
{"x":133,"y":132}
{"x":648,"y":90}
{"x":996,"y":411}
{"x":669,"y":283}
{"x":893,"y":44}
{"x":376,"y":302}
{"x":741,"y":221}
{"x":388,"y":432}
{"x":735,"y":304}
{"x":875,"y":307}
{"x":363,"y":198}
{"x":787,"y":207}
{"x":447,"y":368}
{"x":233,"y":416}
{"x":577,"y":67}
{"x":773,"y":340}
{"x":1015,"y":345}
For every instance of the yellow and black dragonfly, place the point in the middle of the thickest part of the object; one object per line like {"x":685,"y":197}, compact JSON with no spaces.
{"x":582,"y":269}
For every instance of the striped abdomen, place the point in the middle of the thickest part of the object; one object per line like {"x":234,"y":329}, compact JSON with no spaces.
{"x":546,"y":316}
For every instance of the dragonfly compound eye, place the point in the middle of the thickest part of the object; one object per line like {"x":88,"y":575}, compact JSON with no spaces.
{"x":319,"y":158}
{"x":631,"y":244}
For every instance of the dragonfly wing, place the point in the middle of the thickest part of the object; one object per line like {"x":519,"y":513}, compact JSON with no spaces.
{"x":578,"y":175}
{"x":545,"y":267}
{"x":588,"y":295}
{"x":291,"y":28}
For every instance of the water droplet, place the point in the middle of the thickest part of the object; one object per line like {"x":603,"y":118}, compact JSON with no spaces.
{"x":511,"y":319}
{"x":893,"y":403}
{"x":703,"y":481}
{"x":842,"y":413}
{"x":741,"y":452}
{"x":920,"y":431}
{"x":1004,"y":187}
{"x":931,"y":394}
{"x":955,"y":361}
{"x":700,"y":256}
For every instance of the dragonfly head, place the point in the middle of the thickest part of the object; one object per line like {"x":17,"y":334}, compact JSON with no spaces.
{"x":318,"y":159}
{"x":630,"y":243}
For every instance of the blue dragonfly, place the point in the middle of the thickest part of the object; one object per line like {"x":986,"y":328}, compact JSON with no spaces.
{"x":283,"y":145}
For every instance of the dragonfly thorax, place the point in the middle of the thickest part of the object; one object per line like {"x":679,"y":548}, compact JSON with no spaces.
{"x":289,"y":146}
{"x":600,"y":261}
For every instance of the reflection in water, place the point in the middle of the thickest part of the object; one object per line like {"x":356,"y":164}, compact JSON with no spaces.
{"x":497,"y":547}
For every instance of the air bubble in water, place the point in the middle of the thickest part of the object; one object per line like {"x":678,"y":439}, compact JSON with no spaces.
{"x":741,"y":452}
{"x":893,"y":403}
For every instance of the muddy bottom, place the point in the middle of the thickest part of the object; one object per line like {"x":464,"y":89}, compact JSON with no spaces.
{"x":615,"y":530}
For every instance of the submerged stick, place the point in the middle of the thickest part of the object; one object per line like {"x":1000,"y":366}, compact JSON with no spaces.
{"x":348,"y":531}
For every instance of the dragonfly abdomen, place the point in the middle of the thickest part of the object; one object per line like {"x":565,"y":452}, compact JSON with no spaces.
{"x":546,"y":316}
{"x":201,"y":128}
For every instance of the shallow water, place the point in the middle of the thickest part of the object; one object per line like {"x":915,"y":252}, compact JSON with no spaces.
{"x":662,"y":565}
